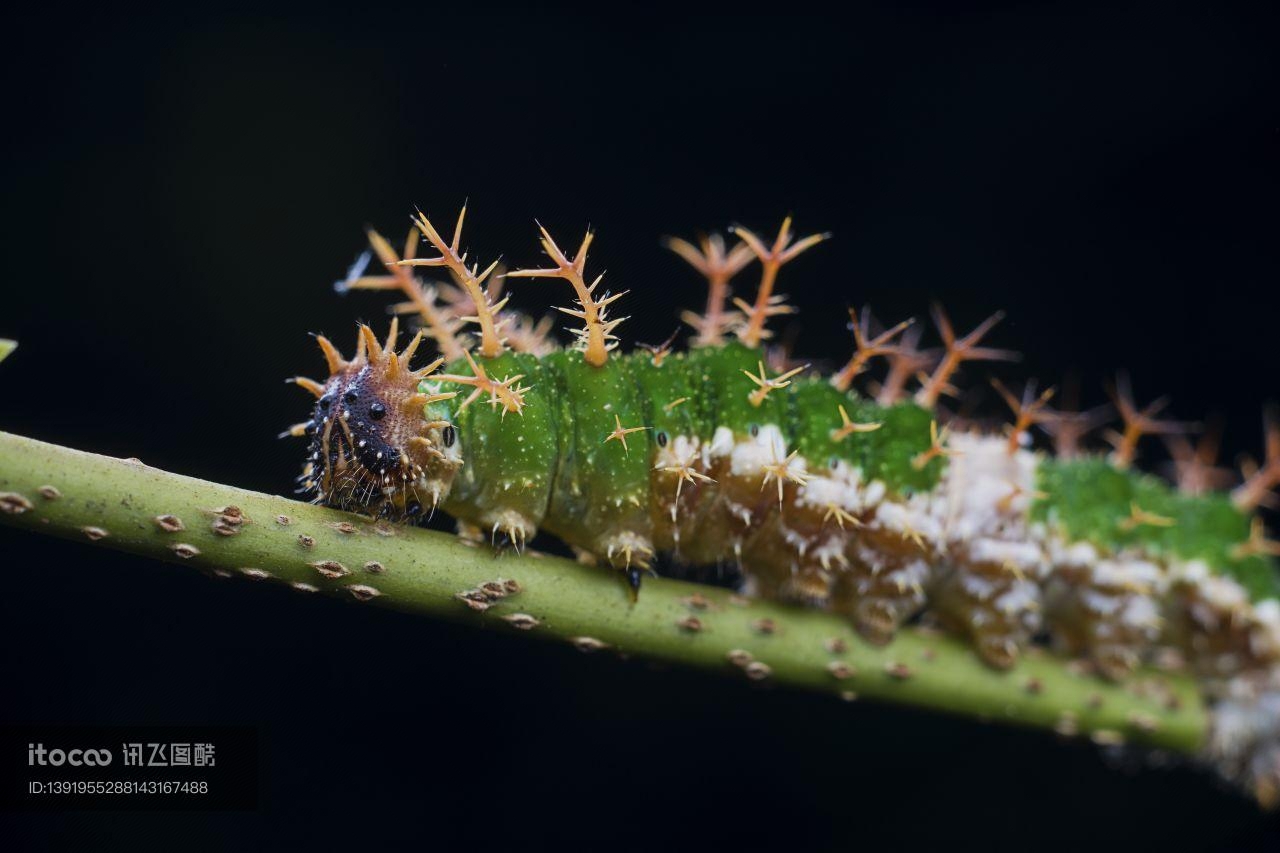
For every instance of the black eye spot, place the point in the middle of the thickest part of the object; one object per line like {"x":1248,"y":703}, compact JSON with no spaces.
{"x":351,"y":396}
{"x":661,"y":438}
{"x":377,"y":411}
{"x":324,"y":402}
{"x":754,"y":429}
{"x":449,"y":435}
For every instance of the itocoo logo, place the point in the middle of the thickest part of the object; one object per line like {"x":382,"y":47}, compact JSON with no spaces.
{"x":37,"y":754}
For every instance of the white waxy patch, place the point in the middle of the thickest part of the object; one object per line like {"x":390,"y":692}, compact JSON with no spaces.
{"x":1101,"y":603}
{"x":985,"y":487}
{"x":721,"y":444}
{"x":796,"y":540}
{"x":681,"y":450}
{"x":1191,"y":571}
{"x":822,"y":492}
{"x":1079,"y":555}
{"x":1268,"y":612}
{"x":1022,"y":597}
{"x":875,"y":492}
{"x":979,"y":587}
{"x":1223,"y":593}
{"x":739,"y":512}
{"x":1140,"y":611}
{"x":1025,"y":557}
{"x":911,"y":576}
{"x":831,"y":551}
{"x":754,"y":453}
{"x":908,"y":520}
{"x":1129,"y":574}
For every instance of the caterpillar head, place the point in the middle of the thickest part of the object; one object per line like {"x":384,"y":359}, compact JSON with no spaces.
{"x":379,"y":443}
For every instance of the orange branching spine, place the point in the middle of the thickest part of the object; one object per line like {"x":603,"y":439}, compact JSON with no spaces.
{"x":506,"y":392}
{"x":597,"y":336}
{"x":718,"y":267}
{"x":1195,"y":466}
{"x":420,"y":299}
{"x":865,"y":347}
{"x":469,"y":279}
{"x":1137,"y":423}
{"x":1027,"y":412}
{"x":906,"y":361}
{"x":958,"y":351}
{"x":771,"y":260}
{"x":1256,"y":489}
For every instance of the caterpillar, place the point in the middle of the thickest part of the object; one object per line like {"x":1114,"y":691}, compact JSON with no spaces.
{"x":874,"y":506}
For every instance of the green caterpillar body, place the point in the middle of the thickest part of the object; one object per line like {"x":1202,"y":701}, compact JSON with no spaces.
{"x":556,"y":467}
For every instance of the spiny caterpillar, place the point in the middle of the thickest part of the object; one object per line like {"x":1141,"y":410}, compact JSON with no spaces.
{"x":871,"y":507}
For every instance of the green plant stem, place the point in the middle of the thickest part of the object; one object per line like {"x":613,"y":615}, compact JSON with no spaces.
{"x":127,"y":505}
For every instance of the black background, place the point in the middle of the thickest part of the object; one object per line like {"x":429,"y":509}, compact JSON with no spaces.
{"x":180,"y":191}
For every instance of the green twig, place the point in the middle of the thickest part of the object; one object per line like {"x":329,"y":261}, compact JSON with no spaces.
{"x":126,"y":505}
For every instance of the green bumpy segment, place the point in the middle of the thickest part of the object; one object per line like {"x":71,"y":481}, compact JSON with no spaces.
{"x":1089,"y":500}
{"x":552,"y":463}
{"x":600,"y":485}
{"x":886,"y":454}
{"x":505,"y":466}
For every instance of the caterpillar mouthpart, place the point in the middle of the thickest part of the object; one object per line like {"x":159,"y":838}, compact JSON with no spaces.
{"x":380,"y":442}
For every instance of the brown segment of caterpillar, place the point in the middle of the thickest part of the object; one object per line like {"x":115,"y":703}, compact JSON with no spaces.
{"x":1106,"y":608}
{"x":1214,"y":623}
{"x":884,"y":584}
{"x":683,"y":486}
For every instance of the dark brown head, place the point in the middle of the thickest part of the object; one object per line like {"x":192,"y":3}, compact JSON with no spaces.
{"x":379,"y":444}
